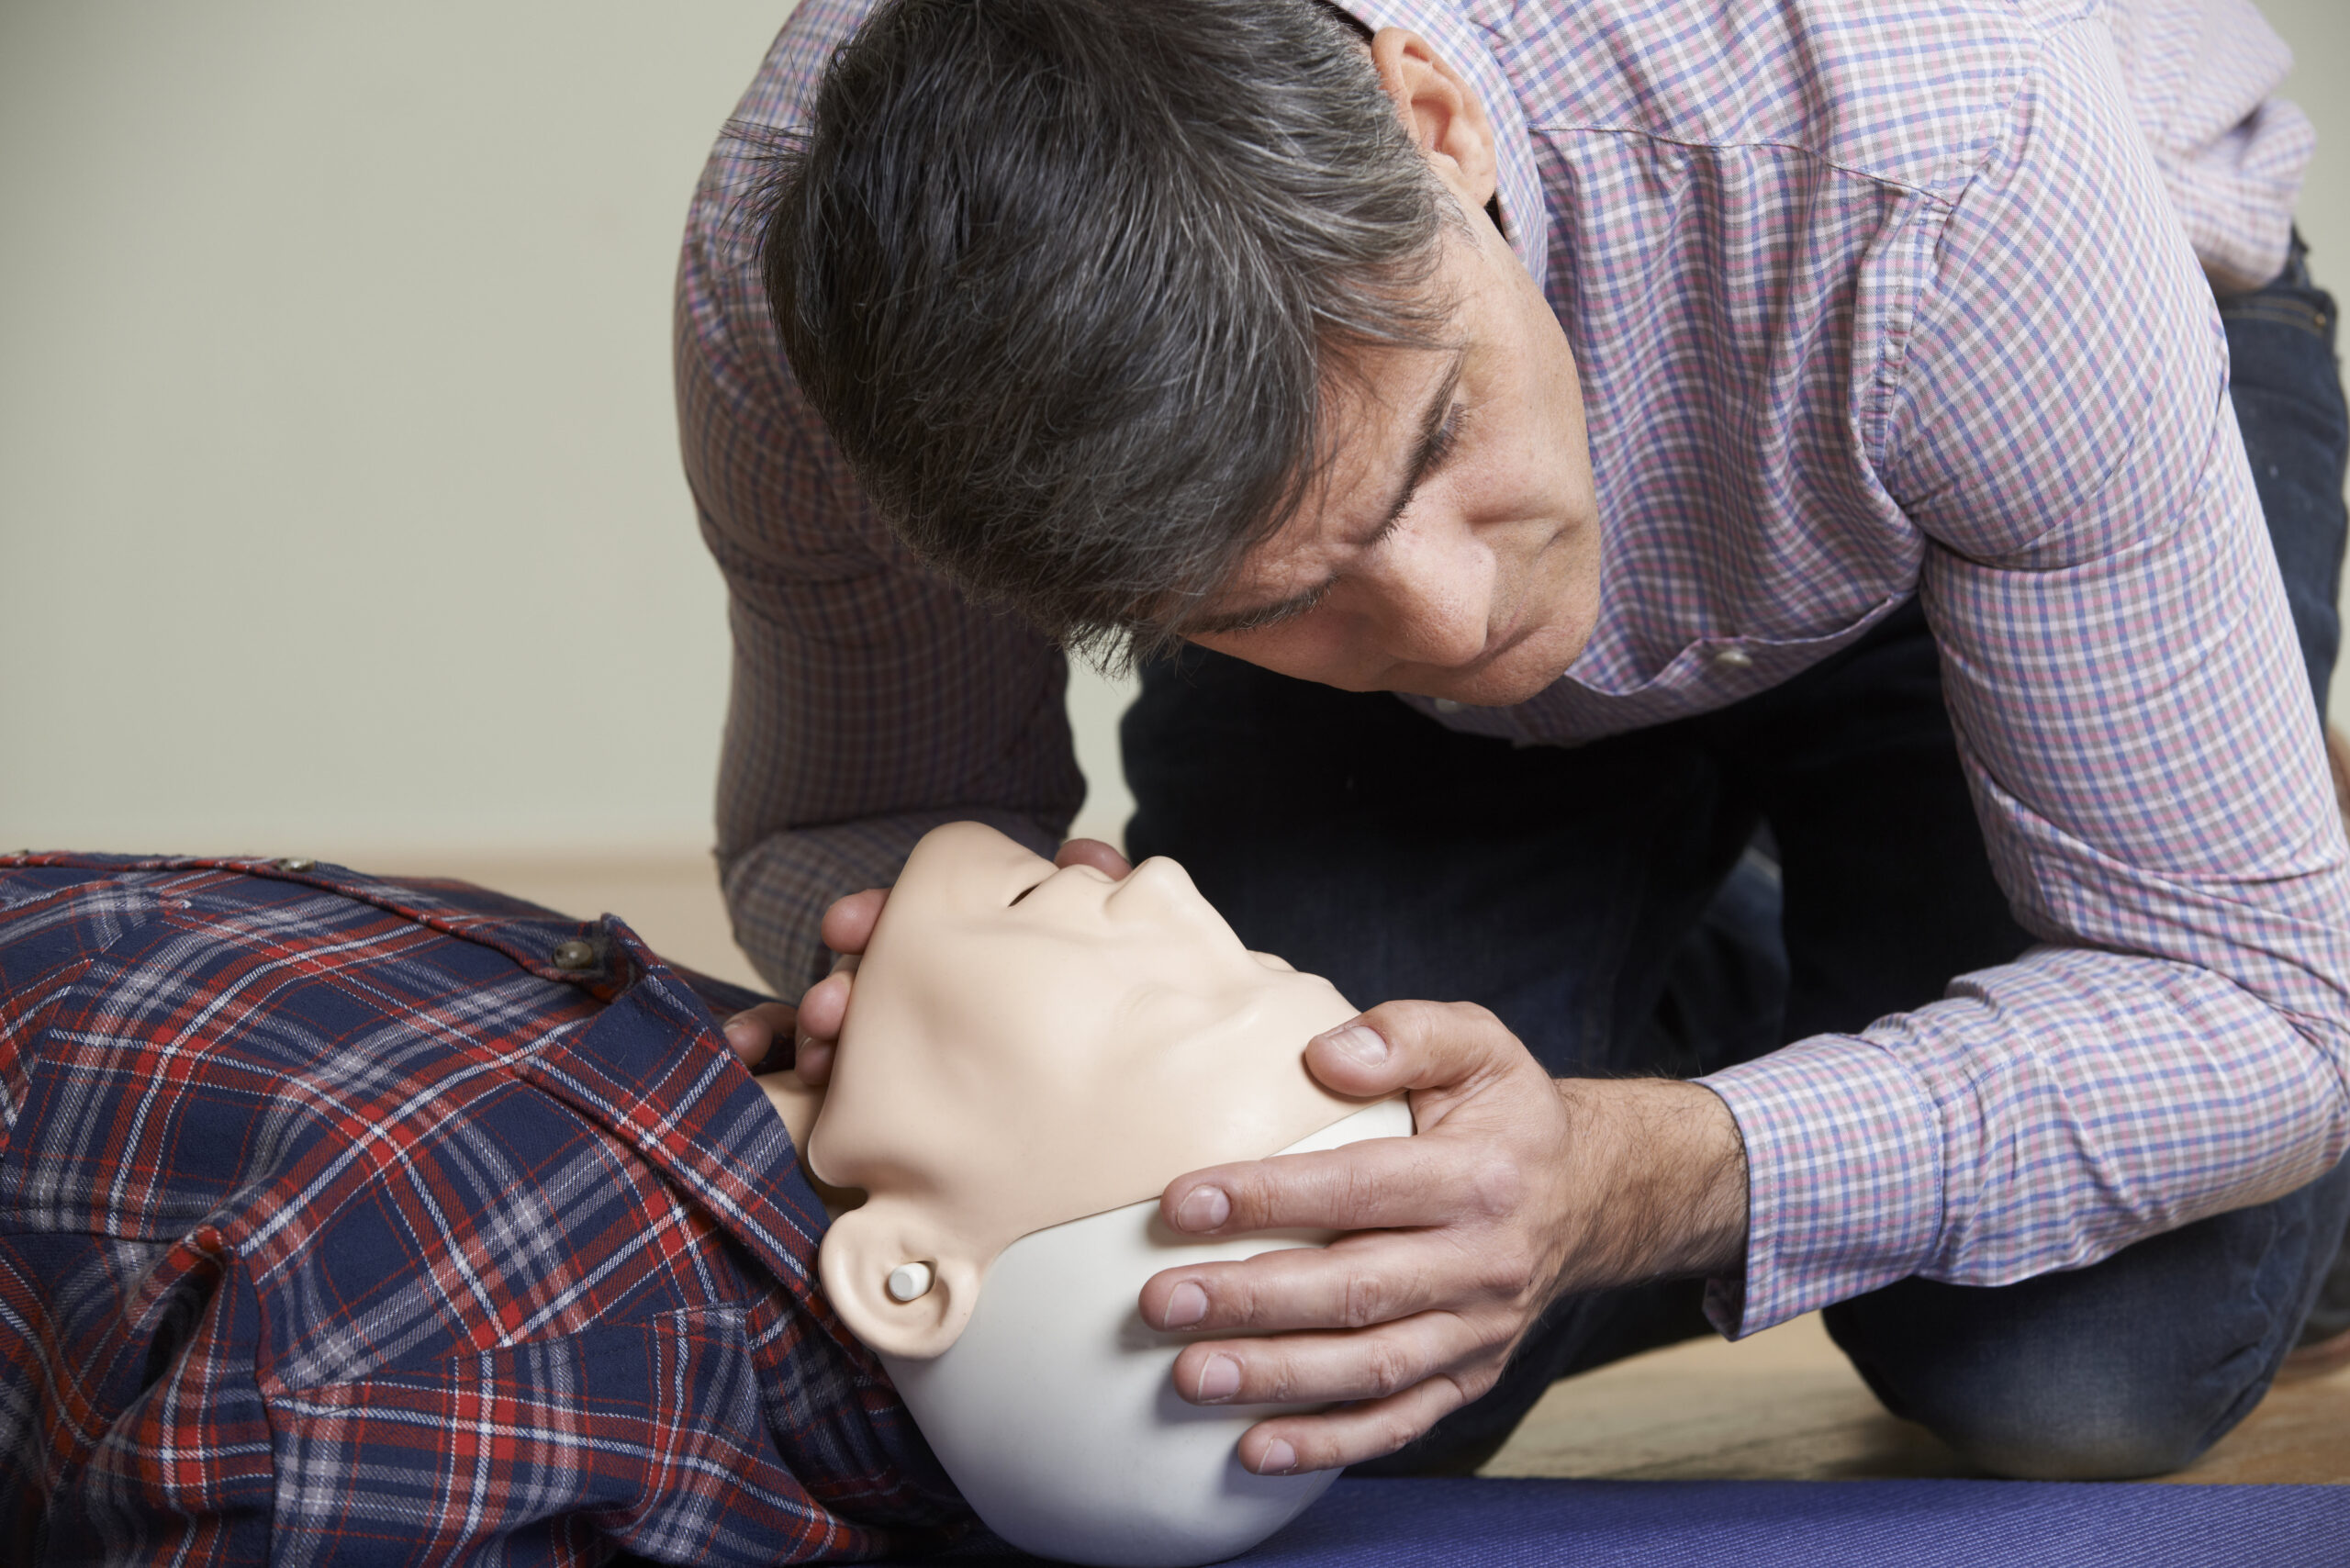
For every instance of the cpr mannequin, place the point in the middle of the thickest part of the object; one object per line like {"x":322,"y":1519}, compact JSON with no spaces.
{"x":1029,"y":1056}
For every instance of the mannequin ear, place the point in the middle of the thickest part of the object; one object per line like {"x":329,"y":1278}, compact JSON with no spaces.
{"x":865,"y":1247}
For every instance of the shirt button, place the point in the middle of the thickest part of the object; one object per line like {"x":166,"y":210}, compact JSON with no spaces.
{"x":1733,"y":656}
{"x":294,"y":863}
{"x":574,"y":954}
{"x":1445,"y":705}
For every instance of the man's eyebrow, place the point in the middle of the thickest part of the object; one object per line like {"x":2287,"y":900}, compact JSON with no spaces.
{"x":1434,"y":418}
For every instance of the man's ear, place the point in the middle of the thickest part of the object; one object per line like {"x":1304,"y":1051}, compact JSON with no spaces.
{"x":1442,"y":112}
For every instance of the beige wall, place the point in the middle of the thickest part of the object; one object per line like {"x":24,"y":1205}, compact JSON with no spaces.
{"x":338,"y":475}
{"x":2318,"y":31}
{"x":339,"y":501}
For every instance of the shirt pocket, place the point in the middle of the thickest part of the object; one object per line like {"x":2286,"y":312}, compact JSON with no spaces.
{"x":115,"y":1135}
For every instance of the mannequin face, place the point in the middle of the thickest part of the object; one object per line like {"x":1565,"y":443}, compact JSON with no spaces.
{"x":1026,"y":1047}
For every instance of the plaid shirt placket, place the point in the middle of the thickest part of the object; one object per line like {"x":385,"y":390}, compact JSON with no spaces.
{"x":338,"y":1223}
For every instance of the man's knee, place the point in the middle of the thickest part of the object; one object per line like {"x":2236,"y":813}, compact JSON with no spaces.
{"x":2132,"y":1366}
{"x":2033,"y":1423}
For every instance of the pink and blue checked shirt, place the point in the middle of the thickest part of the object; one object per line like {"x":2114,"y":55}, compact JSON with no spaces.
{"x":1870,"y":301}
{"x":343,"y":1220}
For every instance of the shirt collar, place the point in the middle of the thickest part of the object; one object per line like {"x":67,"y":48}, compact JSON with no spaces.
{"x":1462,"y":44}
{"x":654,"y":1070}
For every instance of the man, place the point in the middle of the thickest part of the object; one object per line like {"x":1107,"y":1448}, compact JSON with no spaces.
{"x":1708,"y":419}
{"x":353,"y":1219}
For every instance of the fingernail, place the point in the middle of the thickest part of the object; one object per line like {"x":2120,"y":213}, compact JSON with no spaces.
{"x":1279,"y":1459}
{"x":1220,"y":1380}
{"x":1360,"y":1042}
{"x":1206,"y":1207}
{"x":1187,"y":1306}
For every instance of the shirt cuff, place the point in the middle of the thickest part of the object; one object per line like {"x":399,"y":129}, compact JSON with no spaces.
{"x":1844,"y":1183}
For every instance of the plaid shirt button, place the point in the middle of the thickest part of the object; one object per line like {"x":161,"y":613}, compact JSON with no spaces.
{"x":574,"y":954}
{"x":294,"y":863}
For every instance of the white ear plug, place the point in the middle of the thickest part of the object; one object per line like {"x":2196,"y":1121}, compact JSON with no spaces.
{"x":910,"y":1281}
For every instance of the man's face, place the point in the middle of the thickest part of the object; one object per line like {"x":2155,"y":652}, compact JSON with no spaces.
{"x":1482,"y":585}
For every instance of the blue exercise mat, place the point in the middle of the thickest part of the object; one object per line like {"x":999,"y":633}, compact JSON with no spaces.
{"x":1802,"y":1524}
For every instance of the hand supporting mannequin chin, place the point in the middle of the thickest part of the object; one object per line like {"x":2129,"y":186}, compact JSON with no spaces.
{"x":1029,"y":1056}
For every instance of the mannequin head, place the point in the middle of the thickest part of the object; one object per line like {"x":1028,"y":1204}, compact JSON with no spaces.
{"x":1055,"y":1411}
{"x":1030,"y":1056}
{"x":1026,"y":1046}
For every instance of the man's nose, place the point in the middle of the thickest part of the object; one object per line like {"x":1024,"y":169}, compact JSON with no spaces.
{"x":1432,"y":592}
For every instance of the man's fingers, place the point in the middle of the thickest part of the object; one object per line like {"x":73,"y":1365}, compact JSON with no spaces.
{"x":1288,"y":1445}
{"x":1375,"y":1184}
{"x":1414,"y":1044}
{"x":1358,"y":1281}
{"x":1316,"y":1369}
{"x":750,"y":1035}
{"x":824,"y":1006}
{"x":848,"y":923}
{"x":1102,"y":857}
{"x":812,"y":1061}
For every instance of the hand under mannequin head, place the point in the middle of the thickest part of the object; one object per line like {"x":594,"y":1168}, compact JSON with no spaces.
{"x":1027,"y":1046}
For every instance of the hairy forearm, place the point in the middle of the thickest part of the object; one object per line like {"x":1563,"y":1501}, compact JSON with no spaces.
{"x":1656,"y":1175}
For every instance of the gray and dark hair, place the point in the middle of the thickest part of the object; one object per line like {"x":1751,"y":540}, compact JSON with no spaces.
{"x":1068,"y":281}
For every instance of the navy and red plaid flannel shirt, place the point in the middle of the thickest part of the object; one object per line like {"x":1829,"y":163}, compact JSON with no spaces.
{"x":337,"y":1224}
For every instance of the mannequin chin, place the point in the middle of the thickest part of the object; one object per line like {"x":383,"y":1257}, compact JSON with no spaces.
{"x":1029,"y":1056}
{"x":1055,"y":1411}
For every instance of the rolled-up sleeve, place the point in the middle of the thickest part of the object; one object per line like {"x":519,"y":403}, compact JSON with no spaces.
{"x":869,"y":702}
{"x":2121,"y":676}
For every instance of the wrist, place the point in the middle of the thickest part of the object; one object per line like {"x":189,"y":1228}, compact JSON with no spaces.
{"x":1659,"y":1170}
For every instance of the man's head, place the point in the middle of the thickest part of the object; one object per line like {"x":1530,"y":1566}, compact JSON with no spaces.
{"x":1189,"y":319}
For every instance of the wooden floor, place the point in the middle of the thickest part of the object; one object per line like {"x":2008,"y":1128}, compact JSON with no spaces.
{"x":1784,"y":1405}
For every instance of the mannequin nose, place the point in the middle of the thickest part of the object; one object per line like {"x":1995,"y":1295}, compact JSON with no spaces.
{"x":1155,"y":887}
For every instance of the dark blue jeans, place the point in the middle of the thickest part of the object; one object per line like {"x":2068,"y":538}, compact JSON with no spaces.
{"x":1613,"y":904}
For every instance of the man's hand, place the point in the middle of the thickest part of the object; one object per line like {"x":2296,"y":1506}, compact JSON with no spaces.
{"x":848,"y":926}
{"x":1517,"y":1191}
